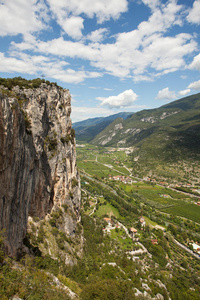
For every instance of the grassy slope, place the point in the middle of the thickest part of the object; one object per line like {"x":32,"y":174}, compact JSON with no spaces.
{"x":184,"y":122}
{"x":88,"y":129}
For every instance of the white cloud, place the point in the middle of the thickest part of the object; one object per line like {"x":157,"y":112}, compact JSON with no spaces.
{"x":163,"y":54}
{"x":194,"y":14}
{"x":162,"y":18}
{"x":151,"y":3}
{"x":168,"y":52}
{"x":69,"y":75}
{"x":149,"y":77}
{"x":97,"y":35}
{"x":36,"y":65}
{"x":133,"y":53}
{"x":80,"y":113}
{"x":73,"y":26}
{"x":196,"y":63}
{"x":184,"y":92}
{"x":65,"y":48}
{"x":22,"y":16}
{"x":102,"y":9}
{"x":166,"y":94}
{"x":194,"y":85}
{"x":125,"y":99}
{"x":141,"y":54}
{"x":12,"y":64}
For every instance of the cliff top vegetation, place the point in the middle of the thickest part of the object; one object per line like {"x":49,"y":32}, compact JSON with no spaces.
{"x":9,"y":83}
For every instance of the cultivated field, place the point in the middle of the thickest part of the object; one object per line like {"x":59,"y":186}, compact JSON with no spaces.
{"x":190,"y":211}
{"x":103,"y":162}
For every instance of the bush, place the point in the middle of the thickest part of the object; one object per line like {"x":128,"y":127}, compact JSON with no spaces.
{"x":72,"y":133}
{"x":55,"y":231}
{"x":51,"y":143}
{"x":36,"y":82}
{"x":108,"y":289}
{"x":1,"y":246}
{"x":60,"y":243}
{"x":21,"y":82}
{"x":52,"y":222}
{"x":65,"y":206}
{"x":41,"y":234}
{"x":65,"y":139}
{"x":74,"y":182}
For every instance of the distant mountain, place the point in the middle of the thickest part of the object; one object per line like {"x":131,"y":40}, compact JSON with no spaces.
{"x":86,"y":130}
{"x":169,"y":134}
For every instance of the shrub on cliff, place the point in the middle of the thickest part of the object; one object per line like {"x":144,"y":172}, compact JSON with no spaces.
{"x":1,"y":247}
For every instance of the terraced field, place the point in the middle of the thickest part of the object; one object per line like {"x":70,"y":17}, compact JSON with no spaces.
{"x":190,"y":211}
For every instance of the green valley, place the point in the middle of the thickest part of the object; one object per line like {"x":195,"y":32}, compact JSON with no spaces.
{"x":164,"y":142}
{"x":148,"y":228}
{"x":135,"y":234}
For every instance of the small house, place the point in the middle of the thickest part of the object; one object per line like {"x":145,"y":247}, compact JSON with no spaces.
{"x":108,"y":220}
{"x":142,"y":222}
{"x":154,"y":241}
{"x":132,"y":231}
{"x":91,"y":203}
{"x":196,"y":248}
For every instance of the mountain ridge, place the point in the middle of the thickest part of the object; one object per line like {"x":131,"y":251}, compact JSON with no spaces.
{"x":89,"y":128}
{"x":177,"y":114}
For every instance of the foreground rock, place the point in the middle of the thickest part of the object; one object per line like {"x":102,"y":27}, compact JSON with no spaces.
{"x":37,"y":160}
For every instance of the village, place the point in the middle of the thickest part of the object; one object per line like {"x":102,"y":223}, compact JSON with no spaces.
{"x":111,"y":224}
{"x":123,"y":179}
{"x":129,"y":180}
{"x":134,"y":235}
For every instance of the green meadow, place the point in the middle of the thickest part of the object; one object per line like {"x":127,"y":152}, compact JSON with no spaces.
{"x":156,"y":194}
{"x":94,"y":163}
{"x":107,"y":209}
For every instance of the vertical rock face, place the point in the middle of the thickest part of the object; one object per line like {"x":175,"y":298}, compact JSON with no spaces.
{"x":37,"y":159}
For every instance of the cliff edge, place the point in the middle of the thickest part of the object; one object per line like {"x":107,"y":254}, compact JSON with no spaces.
{"x":38,"y":171}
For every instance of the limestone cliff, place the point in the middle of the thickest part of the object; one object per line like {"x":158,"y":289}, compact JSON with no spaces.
{"x":37,"y":159}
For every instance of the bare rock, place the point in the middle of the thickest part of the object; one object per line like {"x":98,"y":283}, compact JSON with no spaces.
{"x":37,"y":160}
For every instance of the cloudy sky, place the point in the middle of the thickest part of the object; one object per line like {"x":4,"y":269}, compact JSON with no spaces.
{"x":113,"y":55}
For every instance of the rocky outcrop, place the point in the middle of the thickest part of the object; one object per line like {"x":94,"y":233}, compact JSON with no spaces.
{"x":37,"y":159}
{"x":111,"y":134}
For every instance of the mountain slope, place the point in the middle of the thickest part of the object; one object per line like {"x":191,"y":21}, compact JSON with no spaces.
{"x":179,"y":117}
{"x":86,"y":130}
{"x":168,"y":134}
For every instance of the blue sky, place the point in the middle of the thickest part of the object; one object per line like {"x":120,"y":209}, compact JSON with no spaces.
{"x":113,"y":55}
